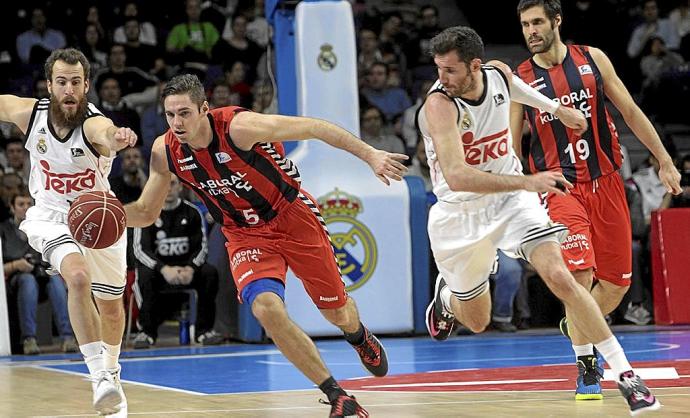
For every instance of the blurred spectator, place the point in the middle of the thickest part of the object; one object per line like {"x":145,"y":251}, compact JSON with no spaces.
{"x":683,"y":199}
{"x":36,"y":44}
{"x":650,"y":187}
{"x":369,"y":52}
{"x":680,"y":19}
{"x":236,"y":78}
{"x":635,"y":310}
{"x":26,"y":275}
{"x":392,"y":101}
{"x":41,"y":89}
{"x":17,"y":159}
{"x":258,"y":29}
{"x":128,"y":186}
{"x":131,"y":80}
{"x":220,"y":95}
{"x":92,"y":45}
{"x":171,"y":254}
{"x":264,"y":99}
{"x":113,"y":107}
{"x":191,"y":42}
{"x":420,"y":166}
{"x":10,"y":186}
{"x":410,"y":132}
{"x":153,"y":123}
{"x":239,"y":48}
{"x":657,"y":61}
{"x":507,"y":283}
{"x":371,"y":125}
{"x":652,"y":26}
{"x":93,"y":17}
{"x":147,"y":32}
{"x":418,"y":46}
{"x":139,"y":54}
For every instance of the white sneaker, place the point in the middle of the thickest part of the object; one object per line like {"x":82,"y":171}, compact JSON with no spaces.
{"x":123,"y":405}
{"x":106,"y":396}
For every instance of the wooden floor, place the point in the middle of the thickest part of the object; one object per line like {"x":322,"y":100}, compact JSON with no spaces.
{"x":29,"y":391}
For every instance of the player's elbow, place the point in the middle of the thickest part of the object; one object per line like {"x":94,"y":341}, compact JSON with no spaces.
{"x":455,"y":183}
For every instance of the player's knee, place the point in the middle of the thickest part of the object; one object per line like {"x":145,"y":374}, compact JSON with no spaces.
{"x":113,"y":314}
{"x":77,"y":279}
{"x":268,"y":308}
{"x":561,"y":283}
{"x":339,"y":317}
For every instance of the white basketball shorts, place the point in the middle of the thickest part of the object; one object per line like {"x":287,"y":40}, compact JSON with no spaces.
{"x":48,"y":233}
{"x":465,"y":236}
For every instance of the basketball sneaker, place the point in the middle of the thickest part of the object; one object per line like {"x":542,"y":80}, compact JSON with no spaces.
{"x":106,"y":396}
{"x":346,"y":406}
{"x":639,"y":398}
{"x":122,"y":413}
{"x":588,"y":379}
{"x":372,"y":355}
{"x":439,"y":321}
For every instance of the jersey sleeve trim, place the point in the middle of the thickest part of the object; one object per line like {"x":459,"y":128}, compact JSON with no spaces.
{"x":33,"y":116}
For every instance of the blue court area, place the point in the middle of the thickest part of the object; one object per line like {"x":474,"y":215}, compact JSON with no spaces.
{"x":260,"y":368}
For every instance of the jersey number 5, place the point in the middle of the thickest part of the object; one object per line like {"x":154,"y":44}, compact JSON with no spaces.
{"x":582,"y":149}
{"x":251,"y":216}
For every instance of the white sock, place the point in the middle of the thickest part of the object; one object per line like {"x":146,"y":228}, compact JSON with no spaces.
{"x":111,"y":353}
{"x":583,"y":350}
{"x":93,"y":356}
{"x":613,"y":353}
{"x":446,"y":294}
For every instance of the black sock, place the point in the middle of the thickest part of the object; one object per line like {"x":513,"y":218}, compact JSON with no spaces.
{"x":357,"y":337}
{"x":332,"y":389}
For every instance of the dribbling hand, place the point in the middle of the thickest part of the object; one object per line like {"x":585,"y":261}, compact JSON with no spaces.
{"x":548,"y":182}
{"x":387,"y":165}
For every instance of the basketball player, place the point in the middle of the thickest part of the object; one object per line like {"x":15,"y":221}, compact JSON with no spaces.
{"x":484,"y":204}
{"x":228,"y":157}
{"x":595,"y":211}
{"x":72,"y":145}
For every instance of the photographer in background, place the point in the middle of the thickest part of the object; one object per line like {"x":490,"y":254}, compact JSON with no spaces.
{"x":26,"y":275}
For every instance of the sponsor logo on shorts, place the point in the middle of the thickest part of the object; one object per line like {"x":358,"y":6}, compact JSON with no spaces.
{"x":353,"y":243}
{"x":575,"y":241}
{"x":66,"y":183}
{"x":245,"y":275}
{"x":240,"y":257}
{"x":577,"y":262}
{"x":328,"y":299}
{"x":627,"y":275}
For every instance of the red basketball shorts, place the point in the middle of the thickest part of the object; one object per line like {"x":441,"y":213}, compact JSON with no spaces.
{"x":296,"y":238}
{"x":600,"y":237}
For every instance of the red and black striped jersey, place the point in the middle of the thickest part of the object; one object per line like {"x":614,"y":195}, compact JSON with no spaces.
{"x":576,"y":82}
{"x":239,"y":188}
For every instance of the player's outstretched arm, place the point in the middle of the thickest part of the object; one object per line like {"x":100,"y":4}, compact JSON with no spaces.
{"x":16,"y":110}
{"x":249,"y":128}
{"x":144,"y":211}
{"x":102,"y":132}
{"x":638,"y":122}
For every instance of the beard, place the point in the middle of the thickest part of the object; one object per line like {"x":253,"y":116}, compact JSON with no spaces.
{"x":64,"y":118}
{"x":546,"y":42}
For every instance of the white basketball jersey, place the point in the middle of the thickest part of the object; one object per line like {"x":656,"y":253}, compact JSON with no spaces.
{"x":63,"y":168}
{"x":484,"y":134}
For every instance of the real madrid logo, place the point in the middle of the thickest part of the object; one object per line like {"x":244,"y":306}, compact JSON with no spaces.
{"x":466,"y":121}
{"x":353,"y":243}
{"x":41,"y":145}
{"x":327,"y":59}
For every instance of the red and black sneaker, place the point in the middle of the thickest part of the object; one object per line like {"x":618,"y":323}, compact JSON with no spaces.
{"x":439,"y":322}
{"x":346,"y":406}
{"x":372,"y":354}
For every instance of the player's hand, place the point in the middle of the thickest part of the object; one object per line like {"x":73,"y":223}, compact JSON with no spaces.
{"x":125,"y":137}
{"x":572,"y":118}
{"x":670,"y":178}
{"x":387,"y":165}
{"x":547,"y":182}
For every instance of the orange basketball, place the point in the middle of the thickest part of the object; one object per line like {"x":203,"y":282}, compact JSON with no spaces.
{"x":96,"y":219}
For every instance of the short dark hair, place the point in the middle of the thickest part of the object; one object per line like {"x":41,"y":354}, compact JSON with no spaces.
{"x":552,"y":8}
{"x":22,"y":192}
{"x":379,"y":64}
{"x":461,"y":39}
{"x":185,"y":84}
{"x":69,"y":55}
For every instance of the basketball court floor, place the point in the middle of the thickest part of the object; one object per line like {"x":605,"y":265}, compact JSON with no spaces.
{"x":489,"y":375}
